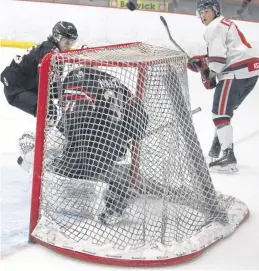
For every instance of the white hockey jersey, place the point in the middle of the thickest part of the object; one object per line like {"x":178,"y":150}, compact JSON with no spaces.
{"x":229,"y":53}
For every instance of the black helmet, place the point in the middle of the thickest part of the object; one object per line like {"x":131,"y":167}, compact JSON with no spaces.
{"x":64,"y":29}
{"x":204,"y":4}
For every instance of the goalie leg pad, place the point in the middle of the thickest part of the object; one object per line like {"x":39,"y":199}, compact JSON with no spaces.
{"x":75,"y":197}
{"x":25,"y":146}
{"x":55,"y":142}
{"x":25,"y":143}
{"x":118,"y":194}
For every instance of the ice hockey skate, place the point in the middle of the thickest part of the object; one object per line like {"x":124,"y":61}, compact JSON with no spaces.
{"x":115,"y":206}
{"x":112,"y":214}
{"x":226,"y":164}
{"x":110,"y":217}
{"x":215,"y":149}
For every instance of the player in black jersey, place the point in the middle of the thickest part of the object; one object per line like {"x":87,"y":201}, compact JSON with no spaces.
{"x":21,"y":77}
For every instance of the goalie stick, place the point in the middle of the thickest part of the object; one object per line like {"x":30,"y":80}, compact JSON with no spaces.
{"x":194,"y":111}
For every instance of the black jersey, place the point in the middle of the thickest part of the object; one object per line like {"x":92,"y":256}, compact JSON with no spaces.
{"x":22,"y":74}
{"x":100,"y":116}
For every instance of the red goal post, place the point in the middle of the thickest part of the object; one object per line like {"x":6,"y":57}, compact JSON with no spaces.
{"x":167,"y":208}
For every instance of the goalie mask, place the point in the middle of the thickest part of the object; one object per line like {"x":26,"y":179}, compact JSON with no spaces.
{"x":208,"y":4}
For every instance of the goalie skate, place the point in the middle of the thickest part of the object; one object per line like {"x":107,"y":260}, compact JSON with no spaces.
{"x":115,"y":210}
{"x":226,"y":164}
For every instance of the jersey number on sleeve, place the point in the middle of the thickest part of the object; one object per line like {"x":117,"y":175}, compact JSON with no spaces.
{"x":70,"y":106}
{"x":227,"y":22}
{"x":19,"y":58}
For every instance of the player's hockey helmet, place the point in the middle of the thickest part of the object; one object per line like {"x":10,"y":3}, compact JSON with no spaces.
{"x":64,"y":29}
{"x":205,"y":4}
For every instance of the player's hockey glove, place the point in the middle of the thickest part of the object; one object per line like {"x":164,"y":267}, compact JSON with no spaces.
{"x":197,"y":63}
{"x":208,"y":78}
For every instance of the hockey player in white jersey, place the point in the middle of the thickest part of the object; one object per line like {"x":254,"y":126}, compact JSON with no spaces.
{"x":232,"y":66}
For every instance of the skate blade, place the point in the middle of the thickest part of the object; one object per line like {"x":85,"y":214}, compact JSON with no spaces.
{"x":229,"y":169}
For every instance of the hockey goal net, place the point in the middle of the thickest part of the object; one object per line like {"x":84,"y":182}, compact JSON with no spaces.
{"x":119,"y":176}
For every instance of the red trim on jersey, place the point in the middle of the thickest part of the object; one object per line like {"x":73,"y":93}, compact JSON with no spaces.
{"x":86,"y":95}
{"x":224,"y":97}
{"x":226,"y":21}
{"x":219,"y":122}
{"x":75,"y":97}
{"x":78,"y":98}
{"x":221,"y":60}
{"x":81,"y":89}
{"x":244,"y":62}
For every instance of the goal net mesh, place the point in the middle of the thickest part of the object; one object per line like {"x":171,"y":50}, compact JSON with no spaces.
{"x":122,"y":172}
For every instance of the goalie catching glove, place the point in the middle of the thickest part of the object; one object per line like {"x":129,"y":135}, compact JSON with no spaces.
{"x":199,"y":64}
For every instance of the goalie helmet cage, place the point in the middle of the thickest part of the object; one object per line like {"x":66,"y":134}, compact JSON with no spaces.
{"x":167,"y":210}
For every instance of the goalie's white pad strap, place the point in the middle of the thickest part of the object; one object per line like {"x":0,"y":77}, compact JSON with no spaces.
{"x":24,"y":165}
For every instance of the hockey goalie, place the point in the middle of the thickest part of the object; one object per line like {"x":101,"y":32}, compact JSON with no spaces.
{"x":99,"y":119}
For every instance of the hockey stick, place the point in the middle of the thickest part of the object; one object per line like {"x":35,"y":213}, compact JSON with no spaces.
{"x":196,"y":110}
{"x":170,"y":37}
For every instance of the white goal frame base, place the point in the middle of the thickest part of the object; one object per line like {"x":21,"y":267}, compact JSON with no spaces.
{"x":49,"y":233}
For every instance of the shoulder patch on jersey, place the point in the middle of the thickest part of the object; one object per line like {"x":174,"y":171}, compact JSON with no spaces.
{"x":226,"y":21}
